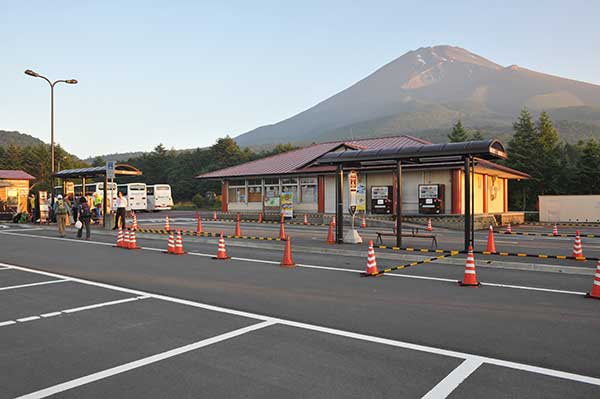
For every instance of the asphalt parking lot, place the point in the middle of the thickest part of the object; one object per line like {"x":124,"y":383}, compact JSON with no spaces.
{"x":85,"y":319}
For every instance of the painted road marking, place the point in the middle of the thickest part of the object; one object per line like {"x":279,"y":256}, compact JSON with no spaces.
{"x":143,"y":362}
{"x":446,"y":386}
{"x":32,"y":284}
{"x":333,"y":331}
{"x":413,"y":276}
{"x":73,"y":310}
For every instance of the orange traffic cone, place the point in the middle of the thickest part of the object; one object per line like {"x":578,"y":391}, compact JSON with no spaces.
{"x":237,"y":217}
{"x":199,"y":225}
{"x":167,"y":225}
{"x":555,"y":230}
{"x":491,"y":245}
{"x":238,"y":229}
{"x":508,"y":229}
{"x":333,"y":221}
{"x":221,"y":251}
{"x":126,"y":243}
{"x":134,"y":225}
{"x":595,"y":293}
{"x":577,"y":247}
{"x":371,"y":262}
{"x":171,"y":243}
{"x":429,"y":228}
{"x":260,"y":217}
{"x":330,"y":237}
{"x":132,"y":241}
{"x":470,"y":277}
{"x":178,"y":250}
{"x":282,"y":229}
{"x":305,"y":219}
{"x":363,"y":224}
{"x":287,"y":260}
{"x":120,"y":238}
{"x":215,"y":216}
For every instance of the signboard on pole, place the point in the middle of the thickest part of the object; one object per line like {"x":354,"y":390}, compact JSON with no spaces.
{"x":353,"y":185}
{"x":287,"y":204}
{"x":110,"y":169}
{"x":361,"y":197}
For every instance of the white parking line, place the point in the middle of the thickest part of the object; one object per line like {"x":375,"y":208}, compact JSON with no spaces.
{"x":333,"y":331}
{"x":413,"y":276}
{"x":72,"y":310}
{"x":453,"y":380}
{"x":143,"y":362}
{"x":32,"y":284}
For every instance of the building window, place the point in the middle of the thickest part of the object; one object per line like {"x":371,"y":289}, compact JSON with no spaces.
{"x":254,"y":193}
{"x":308,"y":190}
{"x":237,"y":191}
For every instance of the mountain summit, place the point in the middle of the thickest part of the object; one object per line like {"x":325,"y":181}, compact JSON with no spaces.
{"x":426,"y":90}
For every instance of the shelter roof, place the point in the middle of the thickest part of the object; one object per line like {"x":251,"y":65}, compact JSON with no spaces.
{"x":97,"y":171}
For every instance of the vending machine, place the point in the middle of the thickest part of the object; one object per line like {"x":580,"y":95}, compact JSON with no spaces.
{"x":42,"y":201}
{"x":382,"y":199}
{"x":431,"y":198}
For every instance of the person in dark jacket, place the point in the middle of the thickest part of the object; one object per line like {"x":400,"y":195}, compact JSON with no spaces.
{"x":85,"y":216}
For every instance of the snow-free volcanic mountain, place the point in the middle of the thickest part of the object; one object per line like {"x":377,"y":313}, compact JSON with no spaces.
{"x":424,"y":91}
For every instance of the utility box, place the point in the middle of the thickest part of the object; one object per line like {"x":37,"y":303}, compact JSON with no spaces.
{"x":431,"y":199}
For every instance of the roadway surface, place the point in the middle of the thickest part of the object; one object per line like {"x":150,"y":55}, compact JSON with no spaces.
{"x":85,"y":319}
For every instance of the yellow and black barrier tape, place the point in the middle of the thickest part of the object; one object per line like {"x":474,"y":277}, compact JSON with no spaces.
{"x":415,"y":263}
{"x":410,"y":249}
{"x":542,"y":256}
{"x":562,"y":224}
{"x":207,"y":234}
{"x":531,"y":233}
{"x":266,"y":222}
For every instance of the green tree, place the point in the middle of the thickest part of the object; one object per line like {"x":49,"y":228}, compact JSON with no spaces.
{"x":98,"y":161}
{"x":588,"y":173}
{"x":458,"y":134}
{"x":476,"y":135}
{"x":523,"y":156}
{"x":548,"y":155}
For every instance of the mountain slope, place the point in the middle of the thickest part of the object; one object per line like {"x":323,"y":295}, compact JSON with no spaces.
{"x":20,"y":139}
{"x":426,"y":89}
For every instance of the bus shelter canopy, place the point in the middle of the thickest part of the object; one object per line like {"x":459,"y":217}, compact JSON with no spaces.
{"x":426,"y":153}
{"x":98,"y":171}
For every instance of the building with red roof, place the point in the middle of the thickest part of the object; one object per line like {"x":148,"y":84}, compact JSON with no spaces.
{"x":14,"y":188}
{"x":263,"y":184}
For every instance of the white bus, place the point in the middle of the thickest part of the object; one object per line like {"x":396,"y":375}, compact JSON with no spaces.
{"x":136,"y":196}
{"x":159,"y":197}
{"x":90,"y":188}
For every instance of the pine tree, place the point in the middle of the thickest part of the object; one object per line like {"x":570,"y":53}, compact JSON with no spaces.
{"x":548,"y":155}
{"x":476,"y":135}
{"x":458,"y":134}
{"x":522,"y":155}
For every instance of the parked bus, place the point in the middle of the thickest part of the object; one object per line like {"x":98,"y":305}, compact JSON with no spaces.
{"x":159,"y":197}
{"x":136,"y":196}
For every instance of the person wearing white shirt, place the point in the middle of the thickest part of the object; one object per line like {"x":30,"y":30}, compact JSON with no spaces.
{"x":121,"y":203}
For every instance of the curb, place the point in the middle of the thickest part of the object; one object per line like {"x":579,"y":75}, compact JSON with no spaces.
{"x":491,"y":264}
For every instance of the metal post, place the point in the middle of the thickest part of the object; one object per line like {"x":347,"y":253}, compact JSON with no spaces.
{"x":399,"y":205}
{"x":467,"y":203}
{"x":473,"y":202}
{"x":104,"y":200}
{"x":52,"y":142}
{"x":339,"y":205}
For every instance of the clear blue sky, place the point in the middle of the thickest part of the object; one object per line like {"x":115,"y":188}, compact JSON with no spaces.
{"x":187,"y":72}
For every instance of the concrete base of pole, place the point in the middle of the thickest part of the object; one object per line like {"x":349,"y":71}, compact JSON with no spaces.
{"x":352,"y":237}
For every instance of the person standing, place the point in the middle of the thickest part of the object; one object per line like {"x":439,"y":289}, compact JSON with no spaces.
{"x":74,"y":209}
{"x":97,"y":206}
{"x":60,"y":210}
{"x":121,"y":210}
{"x":31,"y":206}
{"x":85,"y":216}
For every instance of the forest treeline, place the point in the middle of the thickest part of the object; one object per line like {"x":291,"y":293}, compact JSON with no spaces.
{"x":555,"y":166}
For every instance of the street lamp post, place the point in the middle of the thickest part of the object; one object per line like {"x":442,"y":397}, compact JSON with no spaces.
{"x":52,"y":84}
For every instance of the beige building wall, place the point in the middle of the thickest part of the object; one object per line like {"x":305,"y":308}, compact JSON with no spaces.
{"x":569,"y":208}
{"x":495,"y":194}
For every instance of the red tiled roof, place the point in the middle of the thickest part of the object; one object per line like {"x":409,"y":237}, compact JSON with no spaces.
{"x":15,"y":175}
{"x":292,"y":161}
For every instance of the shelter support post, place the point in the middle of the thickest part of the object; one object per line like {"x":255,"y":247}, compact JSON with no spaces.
{"x":399,"y":205}
{"x":104,"y":201}
{"x":339,"y":205}
{"x":467,"y":206}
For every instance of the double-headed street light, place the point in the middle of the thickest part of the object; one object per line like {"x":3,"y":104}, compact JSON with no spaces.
{"x":52,"y":84}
